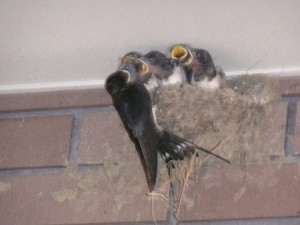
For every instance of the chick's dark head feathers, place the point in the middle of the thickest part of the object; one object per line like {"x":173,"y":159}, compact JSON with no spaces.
{"x":158,"y":63}
{"x":204,"y":57}
{"x":154,"y":58}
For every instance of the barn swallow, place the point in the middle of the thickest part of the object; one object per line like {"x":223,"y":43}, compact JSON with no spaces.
{"x":133,"y":104}
{"x":138,"y":71}
{"x":198,"y":67}
{"x":161,"y":70}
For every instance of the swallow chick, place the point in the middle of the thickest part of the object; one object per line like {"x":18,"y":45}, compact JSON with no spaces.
{"x":135,"y":67}
{"x":133,"y":104}
{"x":198,"y":67}
{"x":160,"y":70}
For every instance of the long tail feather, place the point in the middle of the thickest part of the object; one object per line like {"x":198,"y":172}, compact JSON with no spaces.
{"x":173,"y":147}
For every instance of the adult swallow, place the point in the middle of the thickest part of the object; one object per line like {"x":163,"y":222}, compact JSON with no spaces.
{"x":138,"y":71}
{"x":198,"y":67}
{"x":160,"y":70}
{"x":133,"y":104}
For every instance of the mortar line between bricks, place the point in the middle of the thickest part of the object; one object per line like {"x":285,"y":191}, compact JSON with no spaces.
{"x":123,"y":223}
{"x":54,"y":112}
{"x":75,"y":136}
{"x":290,"y":127}
{"x":295,"y":158}
{"x":93,"y":167}
{"x":31,"y":171}
{"x":258,"y":221}
{"x":290,"y":98}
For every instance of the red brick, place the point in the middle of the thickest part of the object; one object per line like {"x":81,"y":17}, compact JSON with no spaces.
{"x":103,"y":196}
{"x":102,"y":135}
{"x":272,"y":131}
{"x":297,"y":132}
{"x":104,"y":141}
{"x":260,"y":191}
{"x":34,"y":142}
{"x":54,"y":99}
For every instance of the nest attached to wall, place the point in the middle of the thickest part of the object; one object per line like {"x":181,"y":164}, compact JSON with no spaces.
{"x":230,"y":116}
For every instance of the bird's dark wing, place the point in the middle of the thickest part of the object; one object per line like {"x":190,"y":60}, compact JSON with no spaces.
{"x":135,"y":109}
{"x":134,"y":105}
{"x":149,"y":149}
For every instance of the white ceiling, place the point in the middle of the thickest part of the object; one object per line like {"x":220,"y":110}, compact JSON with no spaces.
{"x":54,"y":42}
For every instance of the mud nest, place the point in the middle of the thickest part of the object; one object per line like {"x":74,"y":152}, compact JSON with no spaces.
{"x":230,"y":116}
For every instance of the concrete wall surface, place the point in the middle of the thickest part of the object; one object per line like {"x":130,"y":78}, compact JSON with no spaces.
{"x":72,"y":42}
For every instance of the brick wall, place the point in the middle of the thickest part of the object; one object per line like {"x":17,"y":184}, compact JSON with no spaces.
{"x":65,"y":158}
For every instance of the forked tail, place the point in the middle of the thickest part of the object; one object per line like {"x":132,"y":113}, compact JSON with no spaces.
{"x":173,"y":147}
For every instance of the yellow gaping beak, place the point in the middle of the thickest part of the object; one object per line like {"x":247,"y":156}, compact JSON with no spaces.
{"x":128,"y":59}
{"x":178,"y":52}
{"x":181,"y":54}
{"x":144,"y":67}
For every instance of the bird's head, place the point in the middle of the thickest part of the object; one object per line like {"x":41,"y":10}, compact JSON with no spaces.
{"x":117,"y":81}
{"x":204,"y":57}
{"x":182,"y":54}
{"x":154,"y":58}
{"x":131,"y":57}
{"x":152,"y":62}
{"x":134,"y":68}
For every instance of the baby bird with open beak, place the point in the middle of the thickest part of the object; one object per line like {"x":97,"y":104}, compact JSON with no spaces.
{"x":198,"y":67}
{"x":160,"y":70}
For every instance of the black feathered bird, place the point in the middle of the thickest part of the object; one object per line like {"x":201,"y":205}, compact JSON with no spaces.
{"x":133,"y":103}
